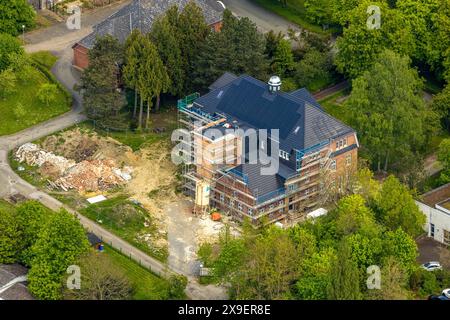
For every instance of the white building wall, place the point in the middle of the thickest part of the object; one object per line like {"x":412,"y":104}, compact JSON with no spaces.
{"x":440,"y":219}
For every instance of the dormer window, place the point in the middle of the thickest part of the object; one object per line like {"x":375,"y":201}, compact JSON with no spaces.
{"x":284,"y":155}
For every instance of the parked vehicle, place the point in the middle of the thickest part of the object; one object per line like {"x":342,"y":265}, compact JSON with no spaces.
{"x":432,"y":265}
{"x":434,"y":297}
{"x":446,"y":292}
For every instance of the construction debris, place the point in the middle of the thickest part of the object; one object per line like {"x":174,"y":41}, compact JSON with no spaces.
{"x":87,"y":175}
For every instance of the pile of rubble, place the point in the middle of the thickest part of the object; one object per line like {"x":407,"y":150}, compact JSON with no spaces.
{"x":32,"y":155}
{"x":87,"y":175}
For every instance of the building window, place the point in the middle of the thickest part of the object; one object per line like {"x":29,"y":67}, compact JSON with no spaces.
{"x":348,"y":159}
{"x":431,"y":230}
{"x":239,"y":205}
{"x":222,"y":198}
{"x":284,"y":155}
{"x":292,"y":187}
{"x":271,"y":207}
{"x":280,"y":203}
{"x":250,"y":211}
{"x":261,"y":211}
{"x":333,"y":165}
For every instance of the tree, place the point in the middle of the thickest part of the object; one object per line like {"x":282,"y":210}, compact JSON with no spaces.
{"x":153,"y":79}
{"x":8,"y":82}
{"x":402,"y":247}
{"x":177,"y":285}
{"x":10,"y":237}
{"x":192,"y":31}
{"x":441,"y":105}
{"x":149,"y":73}
{"x":444,"y":158}
{"x":272,"y":41}
{"x":32,"y":217}
{"x":387,"y":108}
{"x":132,"y":61}
{"x":8,"y":46}
{"x":393,"y":282}
{"x":100,"y":280}
{"x":283,"y":59}
{"x":366,"y":251}
{"x":396,"y":208}
{"x":359,"y":46}
{"x":342,"y":10}
{"x":163,"y":35}
{"x":344,"y":284}
{"x":319,"y":11}
{"x":315,"y":67}
{"x":315,"y":275}
{"x":14,"y":14}
{"x":238,"y":48}
{"x":430,"y":22}
{"x":354,"y":216}
{"x":99,"y":83}
{"x":60,"y":242}
{"x":47,"y":93}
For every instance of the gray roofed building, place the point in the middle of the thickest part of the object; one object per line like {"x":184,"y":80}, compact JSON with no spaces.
{"x":140,"y":14}
{"x":312,"y":152}
{"x":301,"y":121}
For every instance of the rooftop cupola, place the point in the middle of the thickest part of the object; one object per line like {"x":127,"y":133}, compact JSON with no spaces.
{"x":274,"y":84}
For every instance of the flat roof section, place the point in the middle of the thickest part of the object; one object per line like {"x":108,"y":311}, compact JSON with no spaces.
{"x":437,"y":195}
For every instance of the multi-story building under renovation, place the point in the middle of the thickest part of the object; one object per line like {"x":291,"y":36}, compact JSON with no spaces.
{"x":313,"y":150}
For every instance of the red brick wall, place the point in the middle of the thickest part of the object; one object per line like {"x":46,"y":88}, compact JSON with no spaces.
{"x":80,"y":56}
{"x":216,"y":26}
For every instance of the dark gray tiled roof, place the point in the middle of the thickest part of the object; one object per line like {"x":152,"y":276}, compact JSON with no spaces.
{"x":225,"y":79}
{"x":301,"y":123}
{"x":260,"y":184}
{"x":304,"y":94}
{"x":140,"y":14}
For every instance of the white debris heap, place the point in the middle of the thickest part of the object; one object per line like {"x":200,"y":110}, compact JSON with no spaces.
{"x":88,"y":175}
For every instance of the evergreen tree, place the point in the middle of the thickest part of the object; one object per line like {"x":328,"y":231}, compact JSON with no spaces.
{"x":163,"y":35}
{"x":344,"y":284}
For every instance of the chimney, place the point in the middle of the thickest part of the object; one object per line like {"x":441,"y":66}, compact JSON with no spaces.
{"x":274,"y":84}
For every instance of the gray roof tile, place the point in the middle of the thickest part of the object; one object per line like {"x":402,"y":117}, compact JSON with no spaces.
{"x":140,"y":14}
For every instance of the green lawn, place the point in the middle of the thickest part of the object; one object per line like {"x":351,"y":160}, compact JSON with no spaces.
{"x":6,"y":206}
{"x":126,"y":220}
{"x":333,"y":107}
{"x":26,"y":94}
{"x":147,"y":286}
{"x":293,"y":12}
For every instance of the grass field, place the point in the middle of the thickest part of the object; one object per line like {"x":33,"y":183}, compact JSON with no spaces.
{"x":147,"y":286}
{"x":332,"y":106}
{"x":126,"y":220}
{"x":5,"y":206}
{"x":293,"y":12}
{"x":26,"y":95}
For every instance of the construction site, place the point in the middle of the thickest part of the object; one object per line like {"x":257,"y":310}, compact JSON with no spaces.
{"x":78,"y":165}
{"x":216,"y":173}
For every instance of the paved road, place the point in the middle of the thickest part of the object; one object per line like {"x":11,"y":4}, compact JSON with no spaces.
{"x":265,"y":20}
